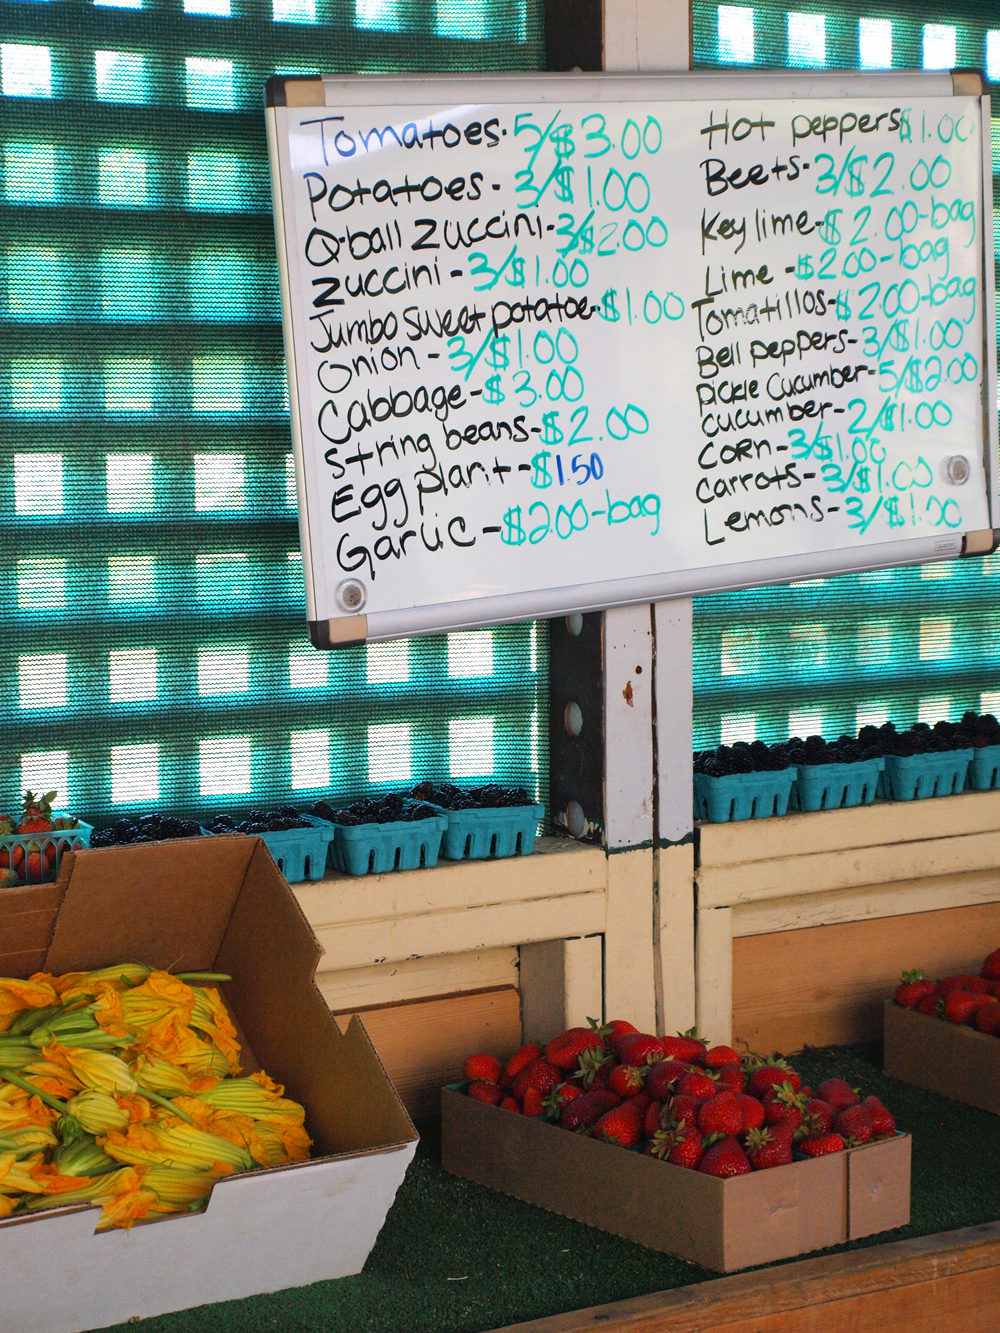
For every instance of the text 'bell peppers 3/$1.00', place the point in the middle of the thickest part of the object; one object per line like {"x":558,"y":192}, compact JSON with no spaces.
{"x":121,"y":1087}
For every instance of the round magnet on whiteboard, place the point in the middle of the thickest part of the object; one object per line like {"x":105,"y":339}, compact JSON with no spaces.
{"x":573,"y":719}
{"x":576,"y":820}
{"x":352,"y":595}
{"x":956,"y":469}
{"x":574,"y":624}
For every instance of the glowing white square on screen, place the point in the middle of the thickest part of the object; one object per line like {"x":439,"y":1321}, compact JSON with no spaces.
{"x":939,"y":46}
{"x":120,"y":4}
{"x":874,"y":642}
{"x":309,"y":758}
{"x":470,"y":654}
{"x":806,"y":39}
{"x":989,"y":702}
{"x":736,"y":34}
{"x":41,"y":679}
{"x":129,"y":483}
{"x":131,"y":580}
{"x":219,"y":481}
{"x":132,"y":675}
{"x":217,"y":383}
{"x":128,"y":384}
{"x":380,"y":14}
{"x":25,"y":71}
{"x":938,"y":569}
{"x":737,"y":727}
{"x":38,"y":484}
{"x":993,"y":56}
{"x":35,"y":384}
{"x":209,"y":83}
{"x":389,"y":752}
{"x":934,"y":709}
{"x":223,"y":671}
{"x":739,"y":653}
{"x":119,"y":76}
{"x":293,"y":11}
{"x":805,"y":722}
{"x":307,"y":667}
{"x":135,"y":773}
{"x":470,"y":747}
{"x":121,"y":177}
{"x":41,"y":584}
{"x":47,"y":770}
{"x":388,"y":663}
{"x":458,"y":18}
{"x":875,"y":43}
{"x":224,"y":766}
{"x":215,"y":8}
{"x":871,"y":713}
{"x":34,"y":281}
{"x":935,"y":638}
{"x":29,"y":172}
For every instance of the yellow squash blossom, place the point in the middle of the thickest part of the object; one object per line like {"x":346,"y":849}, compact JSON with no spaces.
{"x":160,"y":1006}
{"x":97,"y":1111}
{"x":177,"y":1190}
{"x":186,"y":1050}
{"x":52,"y":1074}
{"x":96,"y":1069}
{"x":159,"y":1075}
{"x":120,"y":977}
{"x":18,"y":1107}
{"x":210,"y":1017}
{"x":139,"y":1108}
{"x":275,"y":1144}
{"x":87,"y":1189}
{"x":16,"y":995}
{"x":121,"y":1210}
{"x":25,"y":1177}
{"x":180,"y":1145}
{"x":6,"y":1205}
{"x":28,"y":1139}
{"x":108,"y":1014}
{"x":252,"y":1098}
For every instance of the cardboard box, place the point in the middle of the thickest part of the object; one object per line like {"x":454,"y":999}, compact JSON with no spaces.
{"x":943,"y":1057}
{"x":209,"y":904}
{"x":720,"y":1224}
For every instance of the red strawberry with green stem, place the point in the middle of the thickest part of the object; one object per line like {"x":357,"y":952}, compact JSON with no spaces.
{"x":593,"y":1067}
{"x":991,"y":967}
{"x":539,"y":1074}
{"x":854,"y":1123}
{"x":685,"y":1109}
{"x":912,"y":989}
{"x":697,"y":1085}
{"x":680,"y":1144}
{"x":485,"y":1067}
{"x":766,"y":1149}
{"x":821,"y":1145}
{"x":560,"y":1097}
{"x":622,"y":1125}
{"x":718,"y":1056}
{"x":565,"y":1050}
{"x":627,"y":1080}
{"x":721,"y":1114}
{"x":770,"y":1074}
{"x":586,"y":1110}
{"x":481,"y":1091}
{"x":882,"y":1119}
{"x":651,"y":1120}
{"x":839,"y":1094}
{"x":725,"y":1159}
{"x":961,"y":1006}
{"x":784,"y":1103}
{"x":753,"y":1112}
{"x":517,"y":1062}
{"x":664,"y":1076}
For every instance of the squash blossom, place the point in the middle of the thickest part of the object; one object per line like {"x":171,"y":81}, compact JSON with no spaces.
{"x":177,"y":1145}
{"x":27,"y":1139}
{"x":159,"y":1075}
{"x":210,"y":1017}
{"x":249,"y":1097}
{"x":85,"y":1190}
{"x":121,"y":1210}
{"x":99,"y":1070}
{"x":83,"y":1158}
{"x":97,"y":1111}
{"x":178,"y":1190}
{"x":16,"y":995}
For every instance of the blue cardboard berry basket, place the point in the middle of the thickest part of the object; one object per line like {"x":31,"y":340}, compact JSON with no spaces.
{"x":984,"y":771}
{"x":299,"y":853}
{"x":35,"y":858}
{"x":374,"y":849}
{"x":742,"y":795}
{"x":491,"y":832}
{"x":836,"y":786}
{"x":916,"y":777}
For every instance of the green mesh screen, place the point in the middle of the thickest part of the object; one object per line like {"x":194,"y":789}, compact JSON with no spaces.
{"x":153,"y":649}
{"x":826,"y":655}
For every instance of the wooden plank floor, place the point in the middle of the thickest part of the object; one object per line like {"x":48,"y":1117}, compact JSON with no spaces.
{"x":946,"y":1283}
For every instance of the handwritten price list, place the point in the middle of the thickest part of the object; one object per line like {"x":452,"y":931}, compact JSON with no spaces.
{"x":546,"y":346}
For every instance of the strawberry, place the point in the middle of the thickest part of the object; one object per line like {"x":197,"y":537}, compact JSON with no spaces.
{"x":718,"y":1056}
{"x":533,"y":1104}
{"x":686,"y":1046}
{"x":731,"y":1078}
{"x":486,"y":1067}
{"x":36,"y":816}
{"x":684,"y":1109}
{"x":783,"y":1103}
{"x":6,"y":829}
{"x":883,"y":1124}
{"x":510,"y":1104}
{"x":564,"y":1051}
{"x":586,"y":1110}
{"x":558,"y":1097}
{"x":773,"y":1072}
{"x":622,"y":1125}
{"x":960,"y":1006}
{"x":988,"y":1019}
{"x":753,"y":1112}
{"x":724,"y":1159}
{"x":638,"y":1048}
{"x":627,"y":1079}
{"x":651,"y":1120}
{"x":593,"y":1067}
{"x":517,"y":1062}
{"x":721,"y":1114}
{"x":912,"y":989}
{"x":855,"y":1124}
{"x":974,"y":985}
{"x":615,"y":1027}
{"x":765,"y":1150}
{"x":664,"y":1076}
{"x":697,"y":1085}
{"x":640,"y":1100}
{"x":821,"y":1113}
{"x":991,"y":967}
{"x":538,"y":1074}
{"x":931,"y":1005}
{"x":839,"y":1094}
{"x":482,"y":1091}
{"x":822,"y":1144}
{"x":680,"y":1144}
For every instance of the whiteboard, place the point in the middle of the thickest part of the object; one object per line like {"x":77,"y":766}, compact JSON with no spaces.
{"x":563,"y":343}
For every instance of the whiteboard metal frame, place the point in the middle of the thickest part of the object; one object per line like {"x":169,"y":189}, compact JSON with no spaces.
{"x":680,"y":86}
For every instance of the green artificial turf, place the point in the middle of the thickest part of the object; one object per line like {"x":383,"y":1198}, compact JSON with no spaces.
{"x":454,"y":1257}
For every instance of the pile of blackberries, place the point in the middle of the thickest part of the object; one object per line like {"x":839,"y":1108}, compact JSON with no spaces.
{"x":743,"y":757}
{"x":844,"y":750}
{"x":374,"y":810}
{"x":489,"y":797}
{"x":261,"y":821}
{"x":972,"y":731}
{"x":147,"y":828}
